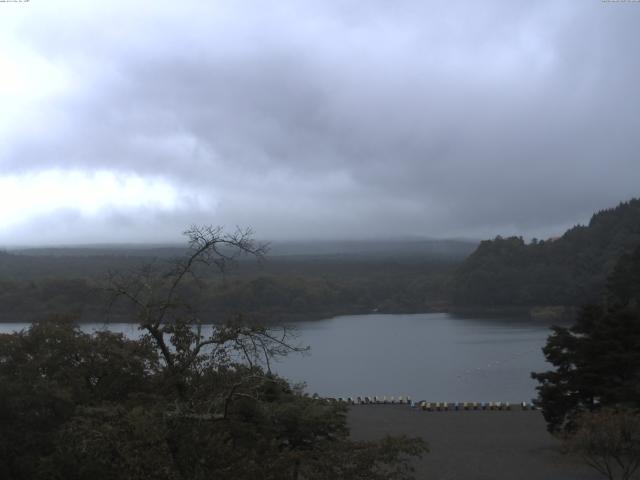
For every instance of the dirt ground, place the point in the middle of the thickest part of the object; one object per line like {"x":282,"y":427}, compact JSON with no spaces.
{"x":473,"y":445}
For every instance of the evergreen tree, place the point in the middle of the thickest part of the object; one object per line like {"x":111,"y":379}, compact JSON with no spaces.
{"x":597,"y":361}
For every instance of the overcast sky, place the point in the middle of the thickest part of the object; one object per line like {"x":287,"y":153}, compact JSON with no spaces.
{"x":130,"y":120}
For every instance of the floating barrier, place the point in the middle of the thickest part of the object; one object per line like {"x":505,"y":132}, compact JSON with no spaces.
{"x":424,"y":405}
{"x":375,"y":399}
{"x":471,"y":406}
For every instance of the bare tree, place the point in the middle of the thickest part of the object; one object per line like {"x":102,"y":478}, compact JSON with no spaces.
{"x":608,"y":440}
{"x":157,"y":293}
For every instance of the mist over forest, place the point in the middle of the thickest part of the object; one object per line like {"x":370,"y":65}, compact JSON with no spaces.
{"x":302,"y":280}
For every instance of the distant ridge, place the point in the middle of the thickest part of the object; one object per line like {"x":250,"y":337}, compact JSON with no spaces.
{"x":125,"y":249}
{"x":448,"y":248}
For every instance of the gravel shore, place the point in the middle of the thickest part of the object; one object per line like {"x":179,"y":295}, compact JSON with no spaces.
{"x":473,"y":445}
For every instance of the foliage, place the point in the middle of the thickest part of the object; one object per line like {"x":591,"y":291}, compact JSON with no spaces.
{"x":624,"y":282}
{"x":181,"y":402}
{"x":597,"y":360}
{"x":569,"y":270}
{"x":50,"y":370}
{"x":609,"y":441}
{"x":281,"y":288}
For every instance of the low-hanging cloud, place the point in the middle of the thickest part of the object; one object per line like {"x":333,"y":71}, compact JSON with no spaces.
{"x":329,"y":119}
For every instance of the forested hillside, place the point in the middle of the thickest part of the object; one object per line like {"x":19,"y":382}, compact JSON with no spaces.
{"x":570,"y":270}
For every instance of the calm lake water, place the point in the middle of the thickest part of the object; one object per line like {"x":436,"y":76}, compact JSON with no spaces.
{"x":435,"y":356}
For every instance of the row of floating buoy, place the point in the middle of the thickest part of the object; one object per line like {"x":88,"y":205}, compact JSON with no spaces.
{"x":433,"y":406}
{"x":444,"y":406}
{"x":375,"y":400}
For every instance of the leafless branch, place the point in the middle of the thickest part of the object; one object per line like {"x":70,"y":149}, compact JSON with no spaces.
{"x":173,"y":324}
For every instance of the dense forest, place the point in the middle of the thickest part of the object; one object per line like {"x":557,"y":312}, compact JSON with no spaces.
{"x":291,"y":283}
{"x":322,"y":279}
{"x":569,"y":270}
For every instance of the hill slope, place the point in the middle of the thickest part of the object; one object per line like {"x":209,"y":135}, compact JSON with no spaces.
{"x":570,"y":270}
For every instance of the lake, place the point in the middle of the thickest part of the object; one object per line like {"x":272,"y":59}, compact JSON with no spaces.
{"x":434,"y":356}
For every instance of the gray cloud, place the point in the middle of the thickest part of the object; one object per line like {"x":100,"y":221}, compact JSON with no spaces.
{"x":343,"y":119}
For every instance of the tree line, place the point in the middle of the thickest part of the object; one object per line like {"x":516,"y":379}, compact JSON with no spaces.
{"x":281,"y":289}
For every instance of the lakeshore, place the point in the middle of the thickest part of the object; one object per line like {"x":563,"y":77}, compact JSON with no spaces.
{"x":473,"y":445}
{"x":438,"y":357}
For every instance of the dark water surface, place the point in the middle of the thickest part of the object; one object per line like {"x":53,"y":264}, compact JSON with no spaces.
{"x":429,"y":356}
{"x":435,"y":356}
